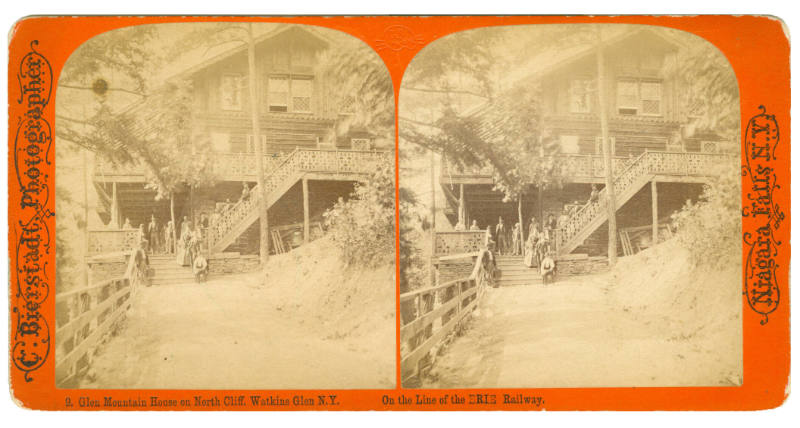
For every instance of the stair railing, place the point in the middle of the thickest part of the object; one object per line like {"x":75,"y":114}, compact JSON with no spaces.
{"x":586,"y":214}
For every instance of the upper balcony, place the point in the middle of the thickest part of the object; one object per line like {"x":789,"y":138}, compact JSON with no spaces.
{"x":577,"y":168}
{"x":225,"y":166}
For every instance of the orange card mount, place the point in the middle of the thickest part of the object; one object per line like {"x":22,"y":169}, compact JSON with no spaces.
{"x":216,"y":263}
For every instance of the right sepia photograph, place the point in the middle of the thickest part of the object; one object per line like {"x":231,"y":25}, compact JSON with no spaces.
{"x":570,"y":210}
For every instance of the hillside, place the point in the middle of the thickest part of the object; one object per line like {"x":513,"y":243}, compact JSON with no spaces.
{"x":661,"y":289}
{"x":309,"y":325}
{"x":353,"y":305}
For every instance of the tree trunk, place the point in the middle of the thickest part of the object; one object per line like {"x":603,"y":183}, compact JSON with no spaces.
{"x":521,"y":223}
{"x":433,"y":219}
{"x":611,"y":201}
{"x":174,"y":224}
{"x":254,"y":113}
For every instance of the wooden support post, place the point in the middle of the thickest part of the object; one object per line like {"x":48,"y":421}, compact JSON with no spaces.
{"x":654,"y":196}
{"x":462,"y":209}
{"x":114,"y":207}
{"x":306,"y":228}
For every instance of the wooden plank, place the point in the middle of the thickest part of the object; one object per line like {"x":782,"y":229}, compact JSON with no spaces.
{"x":411,"y":362}
{"x":306,"y":227}
{"x":411,"y":329}
{"x":80,"y":349}
{"x":80,"y":321}
{"x":654,"y":209}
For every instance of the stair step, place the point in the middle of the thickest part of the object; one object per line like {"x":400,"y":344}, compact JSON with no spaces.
{"x":517,"y":283}
{"x":172,"y":277}
{"x":534,"y":274}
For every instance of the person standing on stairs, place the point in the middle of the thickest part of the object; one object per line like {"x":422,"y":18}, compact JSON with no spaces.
{"x":153,"y":235}
{"x":169,"y":238}
{"x":245,"y":191}
{"x":531,"y":226}
{"x":594,"y":196}
{"x":183,"y":255}
{"x":500,"y":236}
{"x":531,"y":258}
{"x":516,"y":240}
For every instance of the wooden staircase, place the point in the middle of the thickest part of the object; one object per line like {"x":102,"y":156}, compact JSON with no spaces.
{"x":344,"y":165}
{"x":513,"y":272}
{"x":169,"y":272}
{"x":664,"y":166}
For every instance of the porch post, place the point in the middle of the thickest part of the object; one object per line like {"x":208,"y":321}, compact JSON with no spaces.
{"x":306,"y":228}
{"x":462,"y":209}
{"x":654,"y":197}
{"x":114,"y":206}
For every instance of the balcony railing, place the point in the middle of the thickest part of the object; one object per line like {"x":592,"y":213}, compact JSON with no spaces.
{"x":231,"y":166}
{"x":574,"y":166}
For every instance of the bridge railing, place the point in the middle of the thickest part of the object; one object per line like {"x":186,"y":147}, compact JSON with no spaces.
{"x":84,"y":317}
{"x":428,"y":315}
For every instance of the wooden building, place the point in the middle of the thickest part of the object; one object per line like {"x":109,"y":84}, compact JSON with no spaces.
{"x":308,"y":165}
{"x":659,"y":160}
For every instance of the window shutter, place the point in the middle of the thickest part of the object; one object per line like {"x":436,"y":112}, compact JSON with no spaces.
{"x":651,"y":98}
{"x":302,"y":89}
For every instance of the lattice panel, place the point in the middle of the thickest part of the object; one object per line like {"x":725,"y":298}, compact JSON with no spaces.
{"x":111,"y":241}
{"x":458,"y":242}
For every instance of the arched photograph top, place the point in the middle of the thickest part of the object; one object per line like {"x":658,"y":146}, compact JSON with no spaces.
{"x":574,"y":191}
{"x":225,"y":210}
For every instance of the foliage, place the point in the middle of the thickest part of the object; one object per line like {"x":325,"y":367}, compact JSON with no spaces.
{"x":356,"y":69}
{"x":711,"y":229}
{"x":363,"y":226}
{"x":712,"y":95}
{"x":125,"y":53}
{"x":413,"y":266}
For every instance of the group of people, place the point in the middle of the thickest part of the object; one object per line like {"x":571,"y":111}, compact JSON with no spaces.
{"x":155,"y":238}
{"x":537,"y":246}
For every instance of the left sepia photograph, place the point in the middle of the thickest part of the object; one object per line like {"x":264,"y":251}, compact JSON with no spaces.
{"x":225,"y":199}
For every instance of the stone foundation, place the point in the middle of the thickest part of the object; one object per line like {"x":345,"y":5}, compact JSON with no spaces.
{"x":580,"y":264}
{"x":225,"y":263}
{"x":454,"y":269}
{"x":107,"y":266}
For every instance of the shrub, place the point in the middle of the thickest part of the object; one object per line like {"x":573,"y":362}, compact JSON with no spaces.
{"x":363,"y":226}
{"x":711,"y":229}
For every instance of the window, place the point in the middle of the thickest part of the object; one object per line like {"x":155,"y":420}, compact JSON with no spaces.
{"x":251,"y":148}
{"x":638,"y":97}
{"x":360,"y":143}
{"x":231,"y":92}
{"x":290,"y":94}
{"x":651,"y":98}
{"x":348,"y":105}
{"x":627,"y":97}
{"x":301,"y":94}
{"x":580,"y":96}
{"x":278,"y":96}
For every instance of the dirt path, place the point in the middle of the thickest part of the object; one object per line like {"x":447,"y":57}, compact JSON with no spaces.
{"x":228,"y":334}
{"x":570,"y":335}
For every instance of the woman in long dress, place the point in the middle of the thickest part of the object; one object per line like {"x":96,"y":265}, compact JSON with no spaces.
{"x":184,"y":241}
{"x":531,"y":259}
